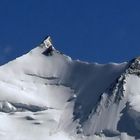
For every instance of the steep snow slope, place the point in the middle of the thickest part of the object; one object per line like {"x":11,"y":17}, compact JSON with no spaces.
{"x":54,"y":97}
{"x":118,"y":110}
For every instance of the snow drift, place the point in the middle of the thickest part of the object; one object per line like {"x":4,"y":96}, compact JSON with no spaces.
{"x":54,"y":97}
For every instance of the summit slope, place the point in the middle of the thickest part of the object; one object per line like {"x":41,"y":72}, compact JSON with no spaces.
{"x":54,"y":97}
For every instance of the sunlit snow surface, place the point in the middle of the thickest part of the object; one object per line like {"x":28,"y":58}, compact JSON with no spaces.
{"x":56,"y":98}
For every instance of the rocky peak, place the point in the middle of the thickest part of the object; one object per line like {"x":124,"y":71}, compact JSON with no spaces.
{"x":134,"y":67}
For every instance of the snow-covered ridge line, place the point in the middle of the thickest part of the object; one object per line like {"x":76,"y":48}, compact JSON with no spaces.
{"x":74,"y":100}
{"x":112,"y":103}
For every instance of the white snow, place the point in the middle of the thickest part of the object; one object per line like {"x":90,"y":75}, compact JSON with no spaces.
{"x":54,"y":97}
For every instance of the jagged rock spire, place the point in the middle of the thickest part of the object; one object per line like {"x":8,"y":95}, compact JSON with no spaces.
{"x":48,"y":42}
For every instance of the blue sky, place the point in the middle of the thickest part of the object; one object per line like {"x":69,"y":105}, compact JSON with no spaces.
{"x":91,"y":30}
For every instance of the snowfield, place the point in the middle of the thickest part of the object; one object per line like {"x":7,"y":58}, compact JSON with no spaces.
{"x":56,"y":98}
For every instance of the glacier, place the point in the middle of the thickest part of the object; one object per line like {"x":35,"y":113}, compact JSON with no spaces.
{"x":54,"y":97}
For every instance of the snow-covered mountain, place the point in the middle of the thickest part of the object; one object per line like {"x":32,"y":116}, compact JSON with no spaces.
{"x":54,"y":97}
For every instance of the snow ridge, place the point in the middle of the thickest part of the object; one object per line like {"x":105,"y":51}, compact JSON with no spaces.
{"x":111,"y":107}
{"x":60,"y":98}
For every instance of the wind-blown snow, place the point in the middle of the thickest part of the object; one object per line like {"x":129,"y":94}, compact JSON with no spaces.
{"x":54,"y":97}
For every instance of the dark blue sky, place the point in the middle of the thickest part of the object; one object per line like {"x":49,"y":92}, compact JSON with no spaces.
{"x":91,"y":30}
